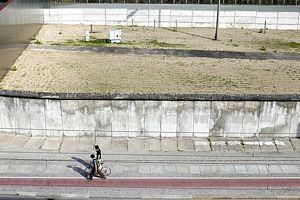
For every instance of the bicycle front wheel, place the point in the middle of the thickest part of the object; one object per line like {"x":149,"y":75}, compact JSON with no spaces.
{"x":106,"y":171}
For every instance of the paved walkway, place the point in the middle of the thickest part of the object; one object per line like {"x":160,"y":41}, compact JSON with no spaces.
{"x":150,"y":157}
{"x":143,"y":145}
{"x":147,"y":167}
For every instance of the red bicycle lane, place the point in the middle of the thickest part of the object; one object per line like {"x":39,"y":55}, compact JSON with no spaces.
{"x":289,"y":182}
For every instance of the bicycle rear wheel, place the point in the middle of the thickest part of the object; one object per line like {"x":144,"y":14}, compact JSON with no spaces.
{"x":88,"y":170}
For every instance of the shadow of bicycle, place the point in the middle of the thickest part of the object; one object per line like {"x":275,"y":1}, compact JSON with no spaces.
{"x":80,"y":170}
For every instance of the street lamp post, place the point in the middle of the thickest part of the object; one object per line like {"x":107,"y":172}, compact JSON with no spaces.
{"x":217,"y":23}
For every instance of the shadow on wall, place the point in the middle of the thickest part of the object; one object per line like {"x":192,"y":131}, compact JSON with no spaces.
{"x":298,"y":131}
{"x":131,"y":14}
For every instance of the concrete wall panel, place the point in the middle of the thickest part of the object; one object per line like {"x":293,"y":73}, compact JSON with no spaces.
{"x":54,"y":11}
{"x":245,"y":13}
{"x":245,"y":20}
{"x":227,"y":20}
{"x":268,"y":20}
{"x":37,"y":117}
{"x":208,"y":19}
{"x":138,"y":19}
{"x":22,"y":116}
{"x":70,"y":117}
{"x":72,"y":11}
{"x":217,"y":120}
{"x":267,"y":118}
{"x":288,"y":21}
{"x":185,"y":118}
{"x":120,"y":118}
{"x":250,"y":119}
{"x":137,"y":12}
{"x":116,"y":18}
{"x":74,"y":18}
{"x":53,"y":114}
{"x":152,"y":118}
{"x":282,"y":119}
{"x":295,"y":121}
{"x":267,"y":14}
{"x":123,"y":118}
{"x":203,"y":13}
{"x":167,"y":18}
{"x":168,"y":118}
{"x":234,"y":118}
{"x":291,"y":15}
{"x":89,"y":11}
{"x":86,"y":117}
{"x":103,"y":118}
{"x":202,"y":118}
{"x":116,"y":11}
{"x":94,"y":18}
{"x":227,"y":14}
{"x":7,"y":115}
{"x":136,"y":119}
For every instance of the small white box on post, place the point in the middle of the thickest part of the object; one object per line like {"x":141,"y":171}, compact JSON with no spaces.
{"x":115,"y":35}
{"x":87,"y":36}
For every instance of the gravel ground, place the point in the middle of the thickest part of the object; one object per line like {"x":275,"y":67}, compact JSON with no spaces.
{"x":57,"y":71}
{"x":183,"y":38}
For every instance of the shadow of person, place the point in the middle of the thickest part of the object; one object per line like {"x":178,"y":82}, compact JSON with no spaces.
{"x":79,"y":170}
{"x":83,"y":162}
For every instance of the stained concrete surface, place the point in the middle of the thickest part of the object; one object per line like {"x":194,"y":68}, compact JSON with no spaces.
{"x":124,"y":144}
{"x":135,"y":118}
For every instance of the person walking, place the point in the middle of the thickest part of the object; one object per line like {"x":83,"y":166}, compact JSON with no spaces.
{"x":94,"y":167}
{"x":99,"y":163}
{"x":98,"y":152}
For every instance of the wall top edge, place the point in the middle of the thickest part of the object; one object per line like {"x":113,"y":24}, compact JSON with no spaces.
{"x":204,"y":7}
{"x":150,"y":96}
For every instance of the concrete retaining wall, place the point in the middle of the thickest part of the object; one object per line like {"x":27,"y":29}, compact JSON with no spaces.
{"x":169,"y":17}
{"x":20,"y":20}
{"x":138,"y":118}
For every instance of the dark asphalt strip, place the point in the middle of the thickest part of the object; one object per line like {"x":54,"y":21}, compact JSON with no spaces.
{"x":173,"y":52}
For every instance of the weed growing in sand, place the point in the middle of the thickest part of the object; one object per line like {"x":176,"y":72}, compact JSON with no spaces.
{"x":103,"y":42}
{"x":263,"y":48}
{"x":13,"y":68}
{"x":93,"y":42}
{"x":37,"y":42}
{"x":162,"y":44}
{"x":279,"y":45}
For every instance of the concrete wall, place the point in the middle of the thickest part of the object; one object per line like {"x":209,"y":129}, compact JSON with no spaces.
{"x":20,"y":20}
{"x":139,"y":118}
{"x":168,"y":17}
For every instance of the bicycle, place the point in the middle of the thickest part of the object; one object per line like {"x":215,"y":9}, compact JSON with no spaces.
{"x":105,"y":171}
